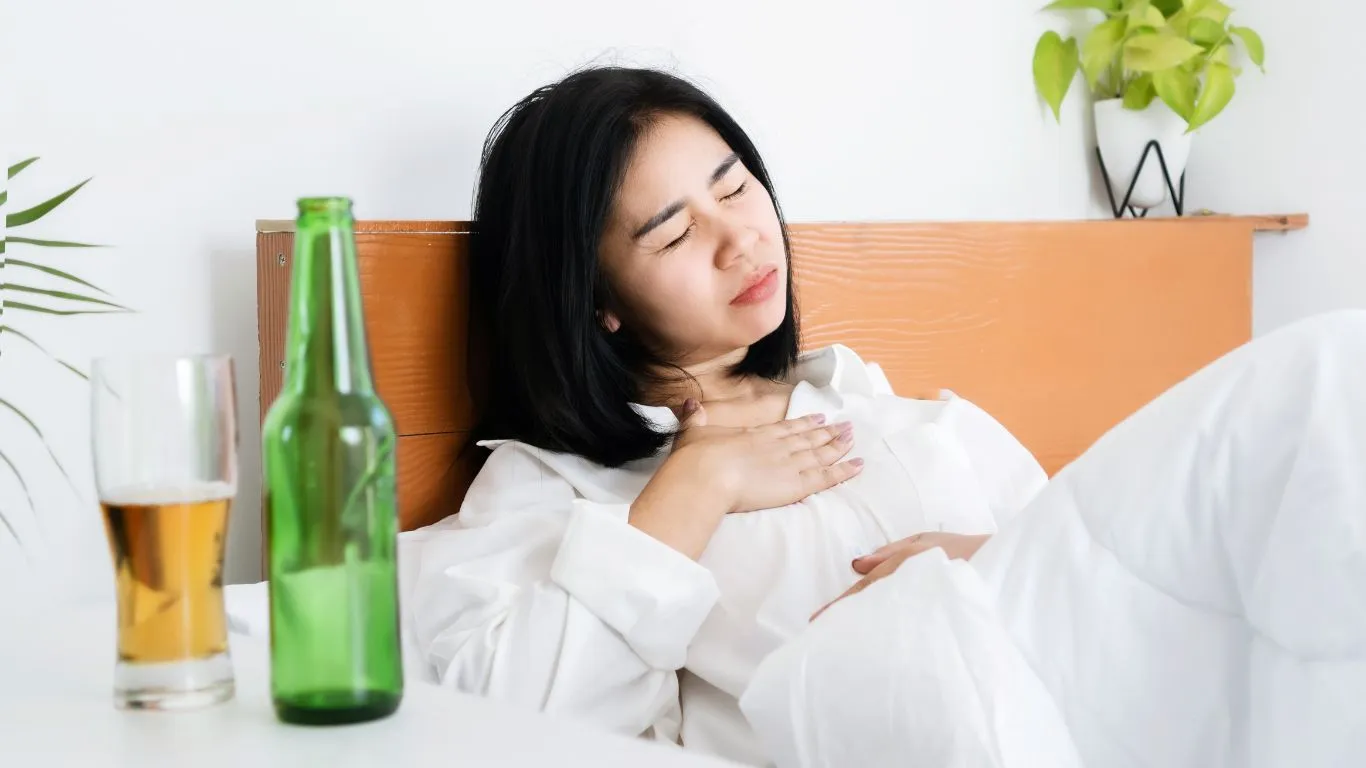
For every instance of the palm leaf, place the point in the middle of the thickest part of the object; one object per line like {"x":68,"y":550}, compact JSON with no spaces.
{"x":42,"y":209}
{"x":63,"y":295}
{"x":6,"y":404}
{"x":7,"y":329}
{"x":11,"y":530}
{"x":23,"y":307}
{"x":51,"y":243}
{"x":21,"y":165}
{"x":4,"y":196}
{"x":54,"y":272}
{"x":27,"y":495}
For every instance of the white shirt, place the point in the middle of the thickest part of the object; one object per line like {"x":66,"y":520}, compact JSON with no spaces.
{"x":539,"y":591}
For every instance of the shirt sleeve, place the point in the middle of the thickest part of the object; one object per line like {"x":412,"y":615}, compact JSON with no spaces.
{"x":541,"y":597}
{"x":1006,"y":473}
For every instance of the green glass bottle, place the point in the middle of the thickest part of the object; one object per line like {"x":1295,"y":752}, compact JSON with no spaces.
{"x":332,"y":520}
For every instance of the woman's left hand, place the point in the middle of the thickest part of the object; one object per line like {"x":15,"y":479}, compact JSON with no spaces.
{"x":886,"y":560}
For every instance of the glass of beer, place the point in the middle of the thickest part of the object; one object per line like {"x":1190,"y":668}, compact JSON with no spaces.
{"x":165,"y":451}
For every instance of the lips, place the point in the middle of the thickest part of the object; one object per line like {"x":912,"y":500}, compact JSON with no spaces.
{"x":758,"y":286}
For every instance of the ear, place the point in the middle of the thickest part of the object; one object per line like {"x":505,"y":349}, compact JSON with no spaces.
{"x":609,"y":320}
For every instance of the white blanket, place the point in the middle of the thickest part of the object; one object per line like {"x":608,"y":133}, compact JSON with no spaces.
{"x":1190,"y":592}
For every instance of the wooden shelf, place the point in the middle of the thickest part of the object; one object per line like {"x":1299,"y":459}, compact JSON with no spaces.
{"x":1269,"y":222}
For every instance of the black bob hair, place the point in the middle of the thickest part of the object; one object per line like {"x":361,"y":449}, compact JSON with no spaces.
{"x":551,"y":169}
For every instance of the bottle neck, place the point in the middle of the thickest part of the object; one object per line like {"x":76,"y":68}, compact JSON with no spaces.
{"x":326,"y":347}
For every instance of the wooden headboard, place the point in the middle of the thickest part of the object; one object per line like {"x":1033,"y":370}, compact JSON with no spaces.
{"x":1059,"y":329}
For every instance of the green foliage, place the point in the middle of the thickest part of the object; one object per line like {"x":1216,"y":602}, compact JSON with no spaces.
{"x":82,"y":298}
{"x":1174,"y":50}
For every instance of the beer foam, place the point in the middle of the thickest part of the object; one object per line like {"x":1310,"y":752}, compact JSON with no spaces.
{"x":187,"y":493}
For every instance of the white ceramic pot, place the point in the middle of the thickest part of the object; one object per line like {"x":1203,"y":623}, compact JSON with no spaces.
{"x":1123,"y":133}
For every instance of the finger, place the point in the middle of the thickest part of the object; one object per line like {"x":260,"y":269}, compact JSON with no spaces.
{"x":811,"y":439}
{"x":907,"y":546}
{"x":694,"y":415}
{"x":822,"y":478}
{"x":795,"y":426}
{"x":867,"y":563}
{"x":859,"y":586}
{"x":830,"y":452}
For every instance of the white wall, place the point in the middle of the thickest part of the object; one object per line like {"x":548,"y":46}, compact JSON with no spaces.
{"x":1291,"y":140}
{"x":196,"y":119}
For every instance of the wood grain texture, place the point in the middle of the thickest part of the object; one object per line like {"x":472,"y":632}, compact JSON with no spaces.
{"x":274,"y":254}
{"x":432,"y":477}
{"x":1059,"y":330}
{"x":378,"y":227}
{"x":414,"y":294}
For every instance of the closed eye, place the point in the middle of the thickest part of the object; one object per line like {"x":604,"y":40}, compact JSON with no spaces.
{"x":740,"y":190}
{"x":680,"y":239}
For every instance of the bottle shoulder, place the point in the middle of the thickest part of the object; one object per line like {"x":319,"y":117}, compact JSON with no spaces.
{"x":335,"y":410}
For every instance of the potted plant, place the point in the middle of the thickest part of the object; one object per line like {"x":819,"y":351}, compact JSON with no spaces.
{"x":30,"y":286}
{"x":1157,"y":70}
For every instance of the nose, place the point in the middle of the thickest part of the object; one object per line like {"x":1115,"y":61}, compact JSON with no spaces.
{"x":736,"y":242}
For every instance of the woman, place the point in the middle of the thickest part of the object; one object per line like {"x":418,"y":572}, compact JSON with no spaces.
{"x":673,"y":490}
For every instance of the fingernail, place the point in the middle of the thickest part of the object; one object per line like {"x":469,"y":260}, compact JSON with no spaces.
{"x":819,"y":418}
{"x":689,"y":406}
{"x":857,"y":462}
{"x":847,"y":433}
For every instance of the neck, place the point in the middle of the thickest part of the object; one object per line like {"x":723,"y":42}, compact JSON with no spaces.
{"x":326,"y":335}
{"x":710,"y":381}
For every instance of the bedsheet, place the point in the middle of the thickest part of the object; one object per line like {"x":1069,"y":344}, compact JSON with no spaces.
{"x":1189,"y":592}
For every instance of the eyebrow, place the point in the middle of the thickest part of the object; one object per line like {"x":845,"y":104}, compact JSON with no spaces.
{"x":673,"y":208}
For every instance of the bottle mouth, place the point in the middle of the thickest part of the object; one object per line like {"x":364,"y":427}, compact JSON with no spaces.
{"x":324,"y":205}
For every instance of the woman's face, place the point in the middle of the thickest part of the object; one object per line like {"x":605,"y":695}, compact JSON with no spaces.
{"x":693,"y":248}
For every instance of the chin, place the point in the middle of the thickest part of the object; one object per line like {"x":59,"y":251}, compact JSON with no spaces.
{"x":766,"y":321}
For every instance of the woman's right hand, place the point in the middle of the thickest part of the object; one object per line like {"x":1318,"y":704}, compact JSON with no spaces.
{"x":718,"y":470}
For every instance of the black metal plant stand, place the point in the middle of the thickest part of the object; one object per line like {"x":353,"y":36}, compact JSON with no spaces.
{"x":1178,"y":200}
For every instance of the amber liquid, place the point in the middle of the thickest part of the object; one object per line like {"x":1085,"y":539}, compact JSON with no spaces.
{"x":168,"y":567}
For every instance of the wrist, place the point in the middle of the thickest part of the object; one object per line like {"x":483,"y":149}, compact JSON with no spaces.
{"x":679,"y":507}
{"x":694,"y":473}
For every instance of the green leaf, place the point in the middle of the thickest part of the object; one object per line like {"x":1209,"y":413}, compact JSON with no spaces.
{"x":1221,"y":55}
{"x":1205,"y":32}
{"x":1168,"y":8}
{"x":24,"y":307}
{"x":1176,"y":88}
{"x":10,"y":528}
{"x":1140,"y":93}
{"x":54,"y":272}
{"x":1146,"y":16}
{"x":1099,"y":50}
{"x":1216,"y":95}
{"x":1253,"y":43}
{"x":1151,"y":51}
{"x":1208,"y":9}
{"x":54,"y":243}
{"x":22,"y":484}
{"x":69,"y":296}
{"x":6,"y":404}
{"x":1055,"y":64}
{"x":1109,"y":6}
{"x":1179,"y":23}
{"x":4,"y":329}
{"x":42,"y":209}
{"x":4,"y":197}
{"x":28,"y":496}
{"x":21,"y":165}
